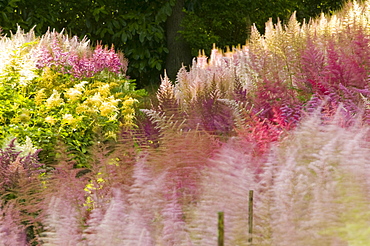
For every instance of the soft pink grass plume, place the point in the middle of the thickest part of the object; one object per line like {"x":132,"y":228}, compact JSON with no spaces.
{"x":12,"y":233}
{"x":61,"y":224}
{"x":310,"y":177}
{"x":108,"y":229}
{"x":224,"y":187}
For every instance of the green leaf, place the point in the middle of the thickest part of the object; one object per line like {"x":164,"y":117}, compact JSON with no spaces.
{"x":5,"y":17}
{"x":124,"y":37}
{"x":158,"y":66}
{"x":116,"y":24}
{"x":142,"y":37}
{"x":168,"y":9}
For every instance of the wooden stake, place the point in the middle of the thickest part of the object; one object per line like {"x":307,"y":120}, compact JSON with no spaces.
{"x":221,"y":229}
{"x":250,"y":217}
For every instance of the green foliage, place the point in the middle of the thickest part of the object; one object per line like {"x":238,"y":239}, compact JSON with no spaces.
{"x":227,"y":23}
{"x":313,"y":8}
{"x":48,"y":106}
{"x":135,"y":27}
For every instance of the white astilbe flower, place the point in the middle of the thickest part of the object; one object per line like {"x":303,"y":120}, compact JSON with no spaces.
{"x":27,"y":69}
{"x":14,"y":50}
{"x":27,"y":148}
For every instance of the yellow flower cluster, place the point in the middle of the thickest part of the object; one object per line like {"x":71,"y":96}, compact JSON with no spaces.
{"x":40,"y":97}
{"x":128,"y":111}
{"x":109,"y":106}
{"x":102,"y":102}
{"x":69,"y":119}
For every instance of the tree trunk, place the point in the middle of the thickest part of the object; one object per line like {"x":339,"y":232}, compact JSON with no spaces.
{"x":179,"y":51}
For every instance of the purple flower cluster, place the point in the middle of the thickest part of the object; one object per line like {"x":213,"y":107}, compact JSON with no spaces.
{"x":79,"y":61}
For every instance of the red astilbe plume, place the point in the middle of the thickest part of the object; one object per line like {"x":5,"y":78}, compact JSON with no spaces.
{"x":270,"y":94}
{"x":348,"y":59}
{"x":336,"y":70}
{"x":275,"y":111}
{"x":262,"y":133}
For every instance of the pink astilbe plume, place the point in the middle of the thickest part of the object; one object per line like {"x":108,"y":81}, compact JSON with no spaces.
{"x":62,"y":226}
{"x":181,"y":162}
{"x":166,"y":96}
{"x":93,"y":222}
{"x":311,"y":174}
{"x":14,"y":165}
{"x":225,"y":187}
{"x":69,"y":55}
{"x":62,"y":201}
{"x":110,"y":228}
{"x":173,"y":223}
{"x":12,"y":233}
{"x":63,"y":174}
{"x":144,"y":204}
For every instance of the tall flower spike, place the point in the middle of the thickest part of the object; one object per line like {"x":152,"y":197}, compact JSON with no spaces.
{"x":165,"y":94}
{"x":111,"y":229}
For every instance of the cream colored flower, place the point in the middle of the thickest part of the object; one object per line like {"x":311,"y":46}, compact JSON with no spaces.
{"x":68,"y":119}
{"x":73,"y":94}
{"x":26,"y":148}
{"x":81,"y":85}
{"x":96,"y":100}
{"x":50,"y":120}
{"x":54,"y":100}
